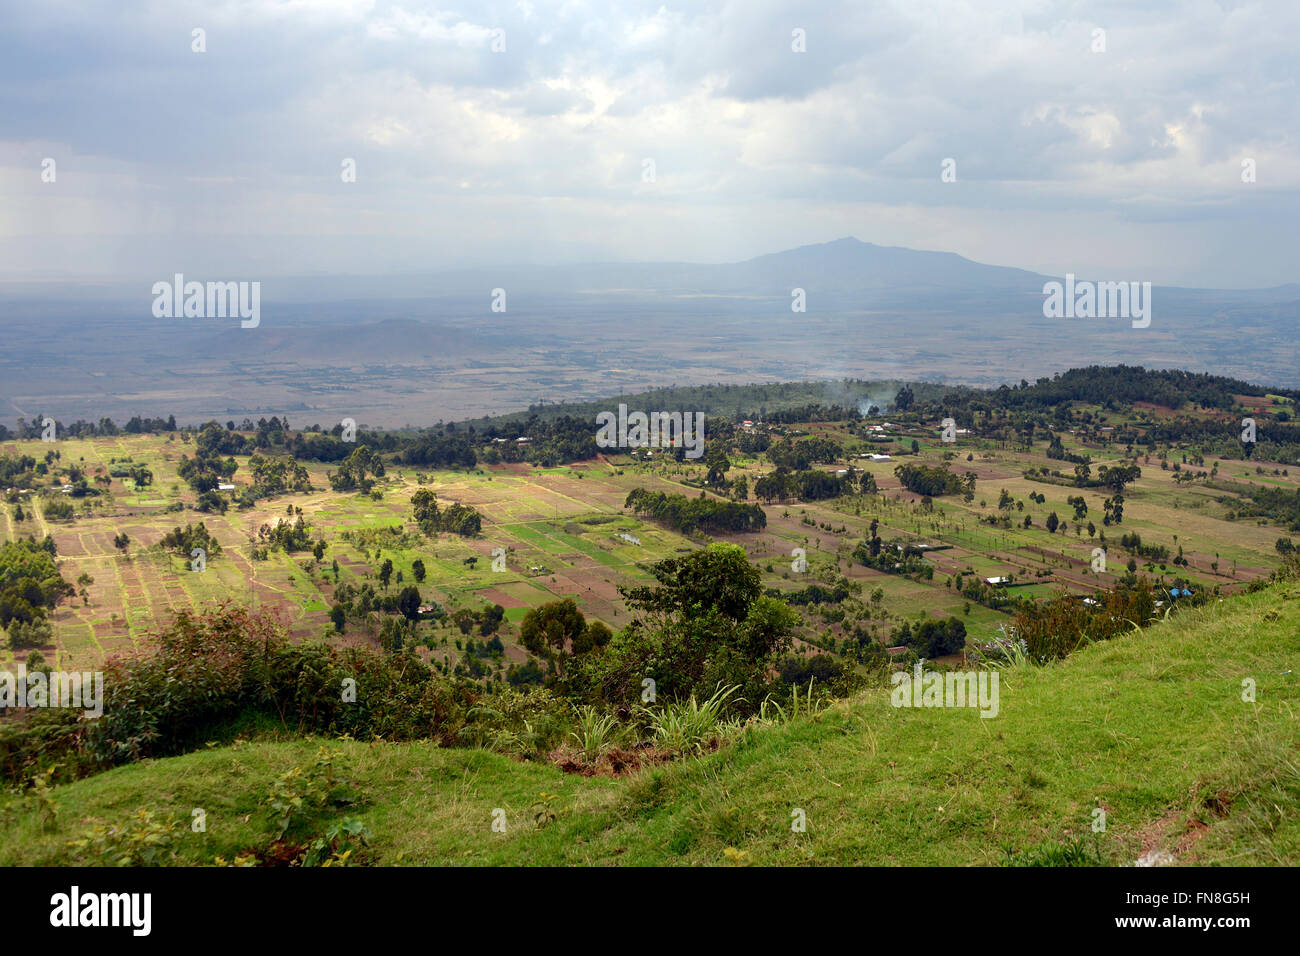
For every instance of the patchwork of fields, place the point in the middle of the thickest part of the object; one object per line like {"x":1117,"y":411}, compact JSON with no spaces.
{"x":560,"y":529}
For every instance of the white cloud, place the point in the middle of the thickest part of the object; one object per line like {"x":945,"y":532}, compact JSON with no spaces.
{"x":794,"y":147}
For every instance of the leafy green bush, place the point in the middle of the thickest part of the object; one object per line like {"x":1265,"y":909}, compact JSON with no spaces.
{"x":144,"y":841}
{"x":296,"y":795}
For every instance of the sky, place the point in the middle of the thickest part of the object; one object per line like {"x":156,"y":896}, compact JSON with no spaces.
{"x":540,"y":132}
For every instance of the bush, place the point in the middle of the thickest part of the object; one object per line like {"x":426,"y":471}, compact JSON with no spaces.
{"x":229,"y":667}
{"x":1052,"y":629}
{"x":58,"y":510}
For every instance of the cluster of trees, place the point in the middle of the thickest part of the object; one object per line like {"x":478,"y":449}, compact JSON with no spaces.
{"x":486,"y":620}
{"x":557,"y":632}
{"x":84,"y":429}
{"x":934,"y":481}
{"x":212,"y":439}
{"x":1056,"y":451}
{"x":1053,"y":629}
{"x":932,"y":638}
{"x":892,"y":556}
{"x":17,"y":471}
{"x":551,"y":442}
{"x":139,"y":474}
{"x":686,"y":515}
{"x":1276,"y":439}
{"x":811,"y":485}
{"x":1116,"y":478}
{"x":273,"y":476}
{"x":813,"y":412}
{"x":456,"y":518}
{"x":290,"y":536}
{"x":57,"y":509}
{"x":815,"y":594}
{"x":1279,"y":505}
{"x":317,"y":446}
{"x":1099,"y":385}
{"x":357,"y":602}
{"x":799,"y":671}
{"x":976,"y":590}
{"x":183,"y":541}
{"x":138,"y":425}
{"x":440,"y":451}
{"x":205,"y":471}
{"x":30,"y":587}
{"x":799,"y":455}
{"x":358,"y":471}
{"x":1132,"y":543}
{"x":1113,"y":510}
{"x":750,"y":442}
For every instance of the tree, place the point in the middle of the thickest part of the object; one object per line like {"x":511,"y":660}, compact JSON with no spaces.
{"x":386,"y":572}
{"x":424,"y":506}
{"x":1053,"y":523}
{"x":707,"y":623}
{"x":408,"y":602}
{"x":934,"y":638}
{"x":459,"y":519}
{"x":1114,"y":510}
{"x":550,"y":631}
{"x":417,"y":569}
{"x":339,"y":616}
{"x":718,"y":465}
{"x":718,"y":577}
{"x":1116,"y":478}
{"x":598,"y":633}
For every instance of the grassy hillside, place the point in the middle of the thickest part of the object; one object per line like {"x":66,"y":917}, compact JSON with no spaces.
{"x":1151,"y":727}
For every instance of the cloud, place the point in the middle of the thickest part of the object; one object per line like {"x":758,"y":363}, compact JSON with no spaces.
{"x":1064,"y":156}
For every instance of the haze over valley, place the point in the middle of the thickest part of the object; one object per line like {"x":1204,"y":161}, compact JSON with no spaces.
{"x":416,"y":349}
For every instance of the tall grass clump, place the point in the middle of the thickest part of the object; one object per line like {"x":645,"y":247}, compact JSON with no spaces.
{"x":687,"y":727}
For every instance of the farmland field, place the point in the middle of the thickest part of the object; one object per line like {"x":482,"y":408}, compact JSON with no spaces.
{"x":559,"y":529}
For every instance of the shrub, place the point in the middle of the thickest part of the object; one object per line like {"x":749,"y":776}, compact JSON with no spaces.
{"x":1052,"y":629}
{"x":688,"y":727}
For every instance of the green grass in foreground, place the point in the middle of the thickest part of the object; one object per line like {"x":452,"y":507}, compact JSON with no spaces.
{"x":1151,"y":727}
